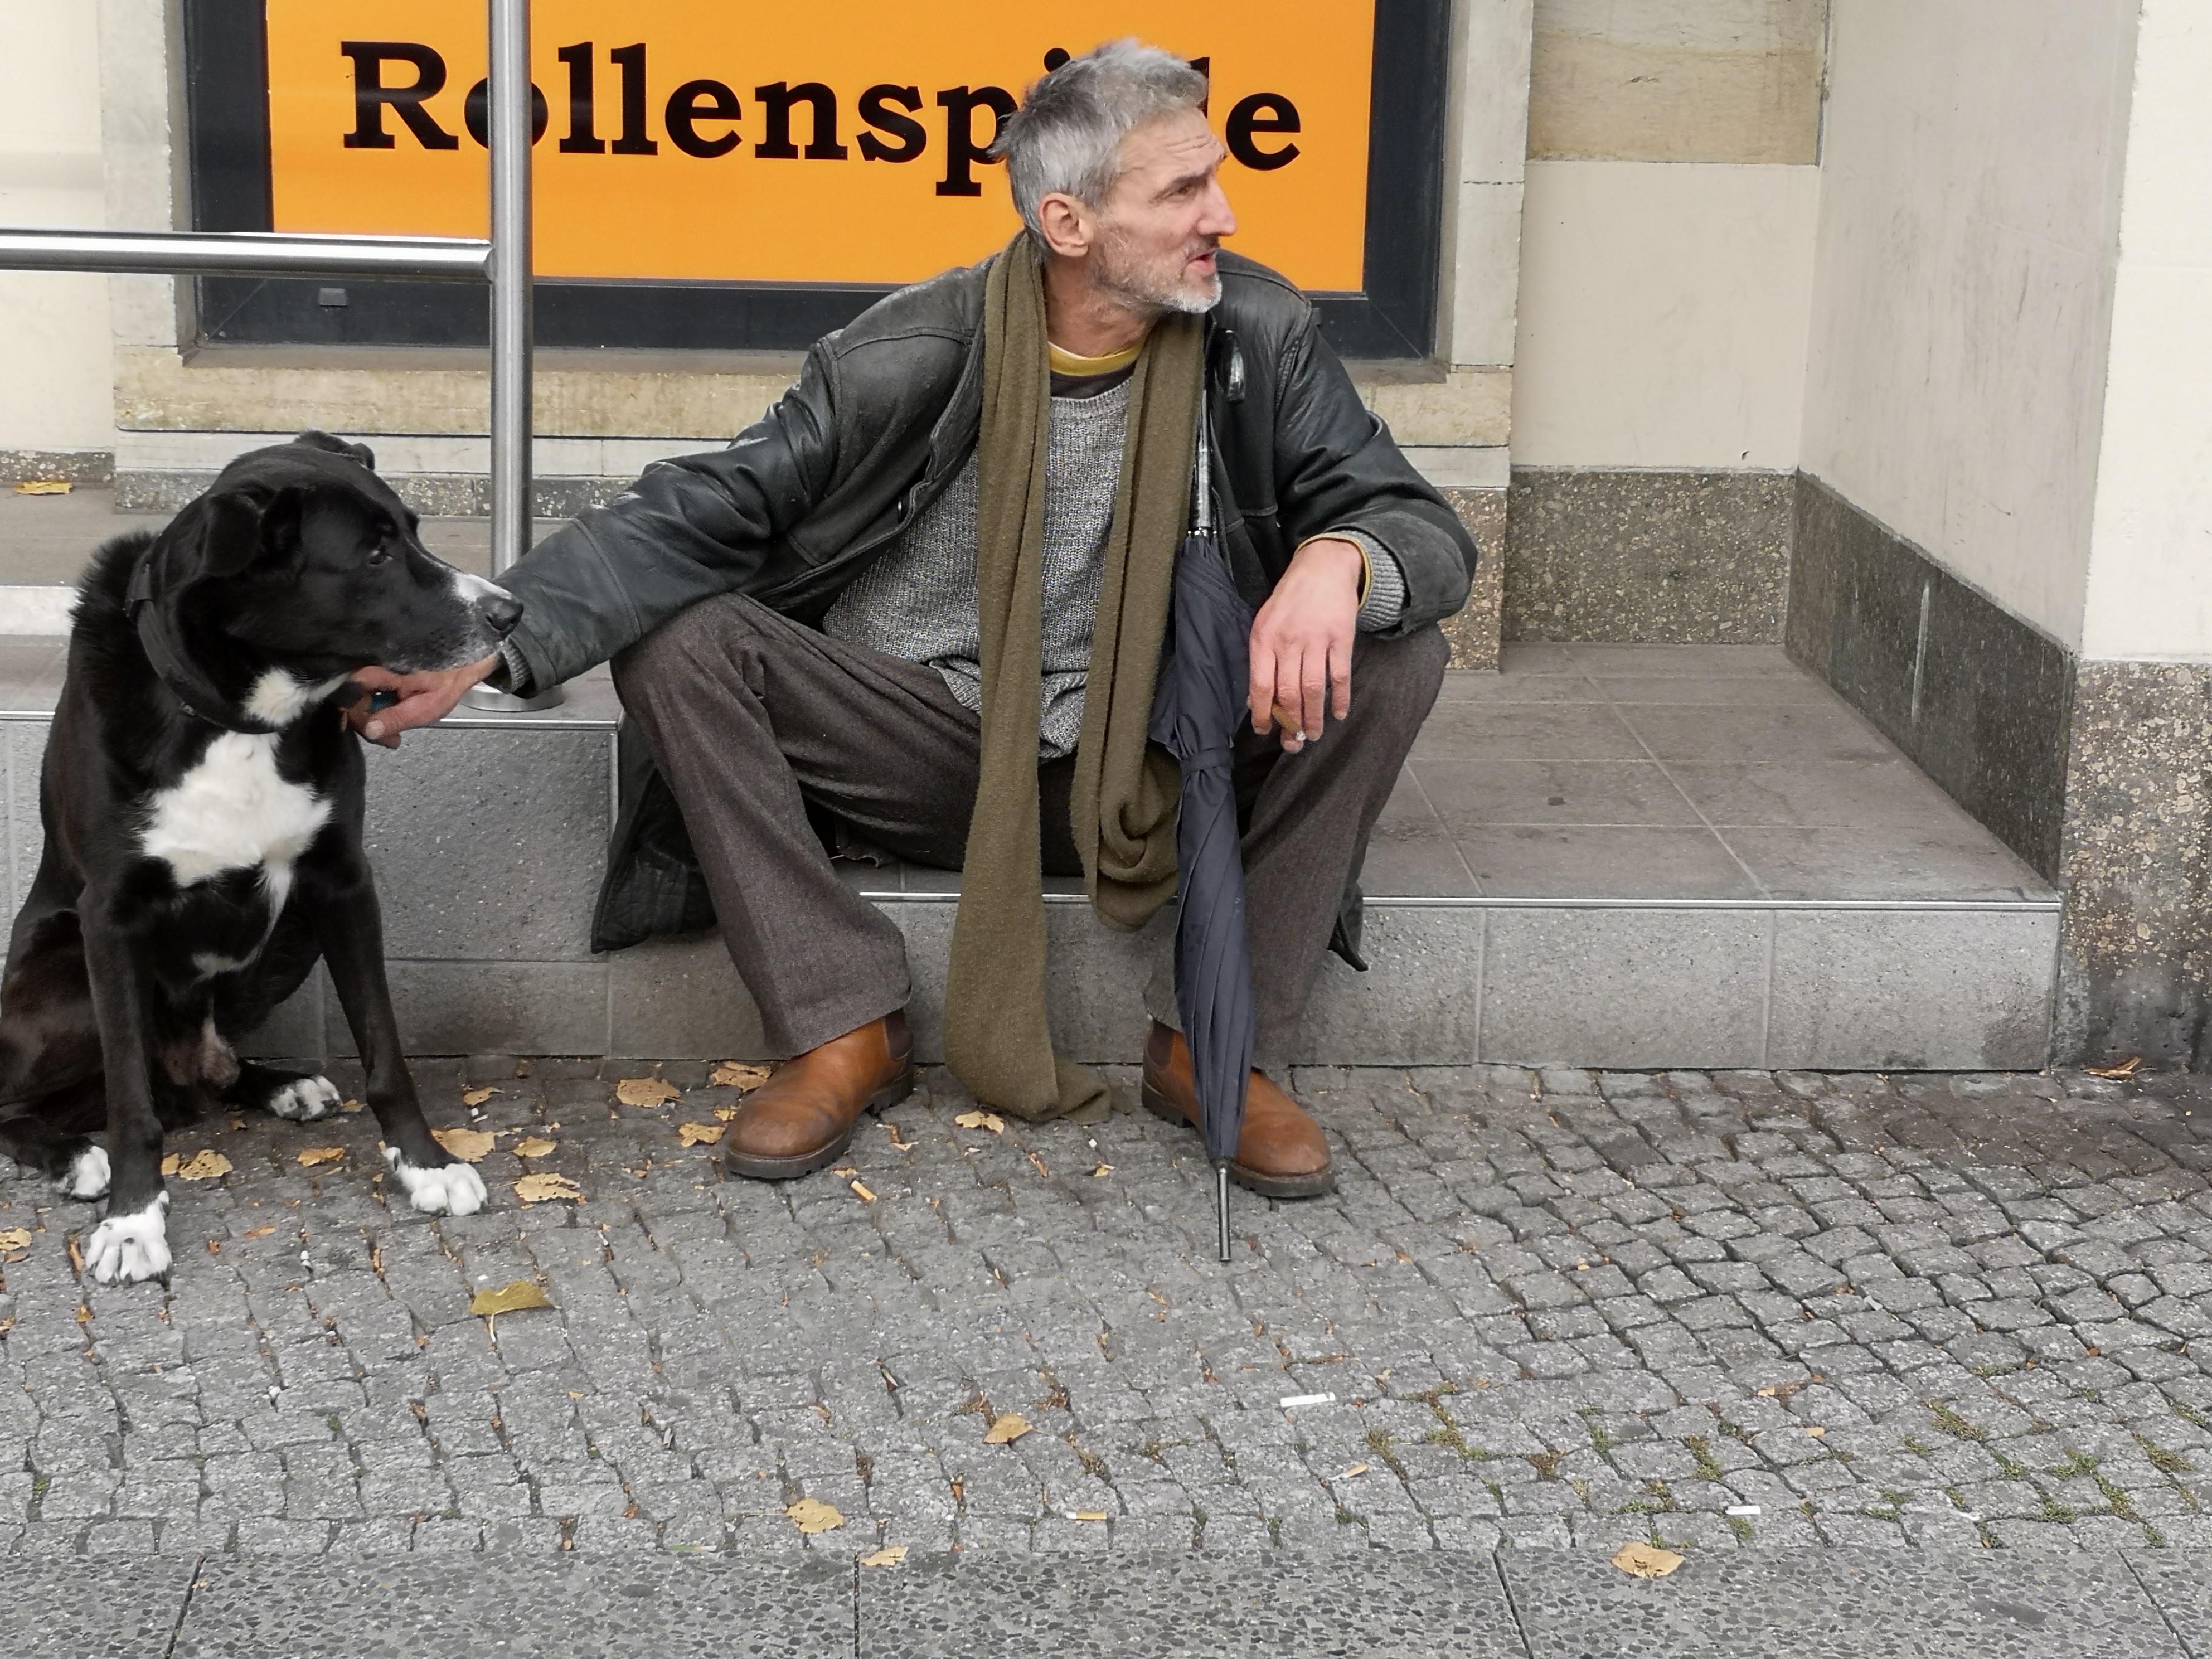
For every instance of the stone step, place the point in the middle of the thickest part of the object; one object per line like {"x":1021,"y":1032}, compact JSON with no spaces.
{"x":1604,"y":856}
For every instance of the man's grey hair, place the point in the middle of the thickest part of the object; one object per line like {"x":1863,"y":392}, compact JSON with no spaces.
{"x":1066,"y":136}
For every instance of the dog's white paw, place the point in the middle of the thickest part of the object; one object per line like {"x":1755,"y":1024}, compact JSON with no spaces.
{"x":87,"y":1175}
{"x":124,"y":1249}
{"x":449,"y":1189}
{"x":305,"y":1099}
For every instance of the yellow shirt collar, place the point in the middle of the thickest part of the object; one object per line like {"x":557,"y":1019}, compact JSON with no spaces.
{"x":1067,"y":362}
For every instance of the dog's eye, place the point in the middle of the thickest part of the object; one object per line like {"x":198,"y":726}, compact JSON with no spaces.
{"x":379,"y":554}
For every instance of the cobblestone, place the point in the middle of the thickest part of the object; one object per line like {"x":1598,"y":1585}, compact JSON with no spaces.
{"x":1558,"y":1308}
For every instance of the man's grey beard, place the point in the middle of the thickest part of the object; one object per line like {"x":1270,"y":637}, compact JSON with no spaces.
{"x":1130,"y":287}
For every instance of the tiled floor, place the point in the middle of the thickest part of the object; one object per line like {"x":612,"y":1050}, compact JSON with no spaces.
{"x":1672,"y":773}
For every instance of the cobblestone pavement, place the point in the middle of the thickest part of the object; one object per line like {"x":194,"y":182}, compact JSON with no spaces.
{"x":1555,"y":1310}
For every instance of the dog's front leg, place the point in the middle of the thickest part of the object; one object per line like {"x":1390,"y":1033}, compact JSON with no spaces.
{"x":351,"y":929}
{"x":132,"y":1243}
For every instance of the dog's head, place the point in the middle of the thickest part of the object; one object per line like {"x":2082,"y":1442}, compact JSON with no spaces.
{"x":303,"y":556}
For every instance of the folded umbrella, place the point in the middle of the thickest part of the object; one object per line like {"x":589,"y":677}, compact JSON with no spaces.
{"x":1196,"y":708}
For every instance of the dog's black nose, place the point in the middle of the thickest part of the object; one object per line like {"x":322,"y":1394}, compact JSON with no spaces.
{"x":500,"y":612}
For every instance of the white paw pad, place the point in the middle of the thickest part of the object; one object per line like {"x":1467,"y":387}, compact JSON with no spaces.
{"x":124,"y":1249}
{"x":448,"y":1189}
{"x":87,"y":1175}
{"x":305,"y":1099}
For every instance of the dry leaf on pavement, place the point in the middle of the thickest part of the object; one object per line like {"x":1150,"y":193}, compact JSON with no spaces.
{"x":889,"y":1556}
{"x":509,"y":1298}
{"x":981,"y":1119}
{"x":724,"y":1113}
{"x":737,"y":1074}
{"x":169,"y":1163}
{"x":1006,"y":1429}
{"x":645,"y":1091}
{"x":534,"y":1146}
{"x":467,"y":1145}
{"x":42,"y":487}
{"x":207,"y":1163}
{"x":811,"y":1515}
{"x":257,"y":1232}
{"x":540,"y":1188}
{"x":308,"y":1157}
{"x":351,"y":1106}
{"x":698,"y":1134}
{"x":15,"y":1243}
{"x":2125,"y":1068}
{"x":1101,"y":1172}
{"x":1646,"y":1560}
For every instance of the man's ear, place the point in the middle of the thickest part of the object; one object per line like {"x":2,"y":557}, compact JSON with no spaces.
{"x":1068,"y":227}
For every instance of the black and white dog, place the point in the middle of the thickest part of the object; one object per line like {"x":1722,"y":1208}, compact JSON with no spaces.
{"x":202,"y":798}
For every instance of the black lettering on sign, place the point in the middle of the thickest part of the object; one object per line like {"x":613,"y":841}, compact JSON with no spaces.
{"x":1055,"y":57}
{"x":370,"y":94}
{"x":1263,"y":112}
{"x":476,"y":113}
{"x":581,"y":140}
{"x":695,"y":101}
{"x":776,"y":100}
{"x":631,"y":61}
{"x":961,"y":149}
{"x":875,"y":110}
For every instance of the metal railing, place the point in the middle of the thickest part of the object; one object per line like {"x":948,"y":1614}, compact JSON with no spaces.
{"x":504,"y":261}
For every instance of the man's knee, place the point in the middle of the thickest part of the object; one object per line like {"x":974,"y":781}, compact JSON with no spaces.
{"x":698,"y":643}
{"x":1394,"y":682}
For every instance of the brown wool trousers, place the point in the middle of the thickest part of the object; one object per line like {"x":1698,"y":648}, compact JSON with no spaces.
{"x":753,"y":718}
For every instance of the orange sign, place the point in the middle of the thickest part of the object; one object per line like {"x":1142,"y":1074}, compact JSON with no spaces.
{"x":702,"y":139}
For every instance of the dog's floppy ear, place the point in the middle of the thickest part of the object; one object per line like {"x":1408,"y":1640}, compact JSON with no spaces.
{"x":313,"y":439}
{"x":220,"y":533}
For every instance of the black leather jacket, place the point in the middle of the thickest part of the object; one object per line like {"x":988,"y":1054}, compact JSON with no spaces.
{"x":884,"y":415}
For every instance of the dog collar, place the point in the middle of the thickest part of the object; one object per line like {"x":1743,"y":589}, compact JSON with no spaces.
{"x":186,"y":684}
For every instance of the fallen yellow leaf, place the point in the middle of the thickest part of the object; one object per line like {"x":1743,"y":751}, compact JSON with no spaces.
{"x":738,"y":1074}
{"x":861,"y":1188}
{"x":981,"y":1119}
{"x":1038,"y":1163}
{"x":258,"y":1232}
{"x":1088,"y":1515}
{"x":534,"y":1146}
{"x":811,"y":1515}
{"x":725,"y":1113}
{"x":1764,"y":1393}
{"x":469,"y":1145}
{"x":897,"y":1140}
{"x":509,"y":1298}
{"x":889,"y":1556}
{"x":541,"y":1188}
{"x":206,"y":1165}
{"x":1816,"y":1433}
{"x":15,"y":1243}
{"x":43,"y":486}
{"x":645,"y":1091}
{"x":2125,"y":1068}
{"x":310,"y":1156}
{"x":698,"y":1134}
{"x":350,"y":1106}
{"x":1006,"y":1429}
{"x":476,"y":1097}
{"x":1646,"y":1560}
{"x":1101,"y":1172}
{"x":169,"y":1163}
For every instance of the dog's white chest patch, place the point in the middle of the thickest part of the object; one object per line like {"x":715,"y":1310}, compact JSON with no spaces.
{"x":233,"y":811}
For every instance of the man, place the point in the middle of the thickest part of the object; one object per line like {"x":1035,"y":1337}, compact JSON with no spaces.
{"x":992,"y":469}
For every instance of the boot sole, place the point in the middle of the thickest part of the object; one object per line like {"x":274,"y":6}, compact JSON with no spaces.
{"x":1322,"y":1181}
{"x":805,"y":1163}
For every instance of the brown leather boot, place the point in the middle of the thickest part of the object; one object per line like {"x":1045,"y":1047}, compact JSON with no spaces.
{"x":1280,"y":1154}
{"x":804,"y":1115}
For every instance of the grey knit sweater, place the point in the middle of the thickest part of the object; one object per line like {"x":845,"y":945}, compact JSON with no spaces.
{"x":918,"y":601}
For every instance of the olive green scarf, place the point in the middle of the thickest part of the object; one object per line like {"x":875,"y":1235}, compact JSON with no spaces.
{"x":996,"y":1036}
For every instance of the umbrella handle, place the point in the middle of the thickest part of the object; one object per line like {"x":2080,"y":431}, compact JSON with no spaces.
{"x":1221,"y":1203}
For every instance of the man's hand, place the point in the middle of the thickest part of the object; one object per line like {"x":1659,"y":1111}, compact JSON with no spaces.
{"x":422,"y":698}
{"x":1302,"y":641}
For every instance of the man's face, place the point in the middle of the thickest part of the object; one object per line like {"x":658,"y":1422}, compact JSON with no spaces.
{"x":1164,"y":218}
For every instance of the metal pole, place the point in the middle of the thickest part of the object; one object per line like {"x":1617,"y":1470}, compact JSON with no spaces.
{"x":242,"y":254}
{"x":511,"y":319}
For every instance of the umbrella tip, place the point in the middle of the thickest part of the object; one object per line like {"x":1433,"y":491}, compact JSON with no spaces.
{"x":1221,"y":1203}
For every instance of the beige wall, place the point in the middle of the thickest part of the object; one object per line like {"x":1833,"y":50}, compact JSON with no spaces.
{"x":1963,"y":281}
{"x":2150,"y":555}
{"x":54,"y":357}
{"x":1663,"y":315}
